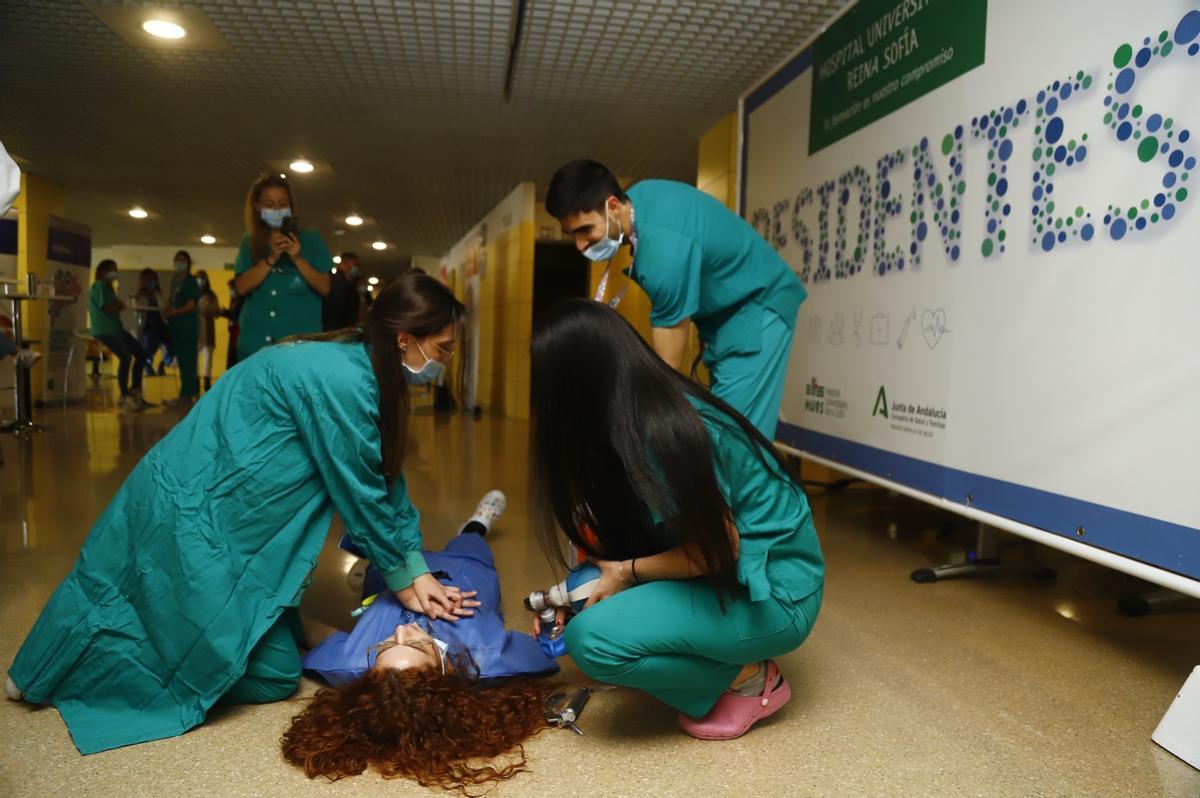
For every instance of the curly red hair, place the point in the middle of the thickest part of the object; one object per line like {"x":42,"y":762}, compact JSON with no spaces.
{"x":421,"y":724}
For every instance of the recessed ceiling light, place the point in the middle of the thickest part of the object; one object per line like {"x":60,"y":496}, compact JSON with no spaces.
{"x":207,"y":239}
{"x":379,"y":245}
{"x":337,"y":258}
{"x":138,"y":213}
{"x":300,"y":165}
{"x":333,"y":270}
{"x":163,"y":29}
{"x":370,"y":288}
{"x":354,"y":221}
{"x":373,"y":280}
{"x":281,"y":174}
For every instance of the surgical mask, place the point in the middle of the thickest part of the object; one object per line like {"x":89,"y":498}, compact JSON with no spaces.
{"x":427,"y":373}
{"x":353,"y":271}
{"x":10,"y":181}
{"x":605,"y":248}
{"x":181,"y":265}
{"x":203,"y":283}
{"x":273,"y":218}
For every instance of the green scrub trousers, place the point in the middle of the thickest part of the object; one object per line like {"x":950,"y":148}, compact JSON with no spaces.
{"x":672,"y":640}
{"x":273,"y":669}
{"x":753,"y":383}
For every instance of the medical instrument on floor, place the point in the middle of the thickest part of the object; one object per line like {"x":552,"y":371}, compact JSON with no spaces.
{"x":571,"y":594}
{"x":367,"y":602}
{"x":563,"y":709}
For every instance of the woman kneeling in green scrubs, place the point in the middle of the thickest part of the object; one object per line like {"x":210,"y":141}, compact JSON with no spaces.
{"x":185,"y":591}
{"x":710,"y":564}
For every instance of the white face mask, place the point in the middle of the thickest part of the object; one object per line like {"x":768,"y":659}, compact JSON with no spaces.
{"x":605,"y":248}
{"x":430,"y":371}
{"x":10,"y":181}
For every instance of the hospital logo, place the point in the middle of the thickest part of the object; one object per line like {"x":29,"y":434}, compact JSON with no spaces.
{"x":881,"y":403}
{"x":814,"y":388}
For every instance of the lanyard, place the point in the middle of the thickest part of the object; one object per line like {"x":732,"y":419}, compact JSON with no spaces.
{"x":602,"y":288}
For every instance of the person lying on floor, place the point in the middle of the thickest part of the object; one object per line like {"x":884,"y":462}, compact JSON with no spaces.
{"x":419,"y":698}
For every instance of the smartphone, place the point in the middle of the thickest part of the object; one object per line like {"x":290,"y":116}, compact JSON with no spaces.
{"x":289,"y":226}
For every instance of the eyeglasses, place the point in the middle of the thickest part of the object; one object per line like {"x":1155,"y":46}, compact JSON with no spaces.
{"x":438,"y":648}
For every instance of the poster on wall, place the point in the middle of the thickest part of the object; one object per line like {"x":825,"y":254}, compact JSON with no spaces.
{"x":994,"y":219}
{"x":69,"y":253}
{"x":8,"y":271}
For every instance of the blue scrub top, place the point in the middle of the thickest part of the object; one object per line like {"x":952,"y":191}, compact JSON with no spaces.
{"x":467,"y":563}
{"x":697,"y":259}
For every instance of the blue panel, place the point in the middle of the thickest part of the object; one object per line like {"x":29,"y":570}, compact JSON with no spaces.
{"x":8,"y":236}
{"x":1169,"y":546}
{"x":66,"y":246}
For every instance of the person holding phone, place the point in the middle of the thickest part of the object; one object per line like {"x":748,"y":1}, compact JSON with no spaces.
{"x":282,"y":270}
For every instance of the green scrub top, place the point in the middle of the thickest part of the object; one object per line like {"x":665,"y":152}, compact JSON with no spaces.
{"x":210,"y":539}
{"x":100,"y":296}
{"x":779,"y":554}
{"x":697,"y":259}
{"x":184,"y":289}
{"x":284,"y":304}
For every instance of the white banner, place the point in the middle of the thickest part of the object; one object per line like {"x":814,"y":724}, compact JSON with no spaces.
{"x":69,"y":253}
{"x":1003,"y":273}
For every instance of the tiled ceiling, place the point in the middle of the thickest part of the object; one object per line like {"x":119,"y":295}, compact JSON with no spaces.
{"x":403,"y":98}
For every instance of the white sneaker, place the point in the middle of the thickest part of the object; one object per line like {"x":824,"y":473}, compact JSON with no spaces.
{"x":11,"y":690}
{"x":130,"y":402}
{"x":26,"y":358}
{"x":490,"y":508}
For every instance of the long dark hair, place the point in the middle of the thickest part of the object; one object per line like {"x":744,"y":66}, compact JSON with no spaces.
{"x":256,"y":228}
{"x":615,"y":438}
{"x":416,"y":304}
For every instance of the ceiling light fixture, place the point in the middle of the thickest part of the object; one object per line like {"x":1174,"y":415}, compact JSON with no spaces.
{"x":337,"y":258}
{"x":373,"y":280}
{"x":138,"y":213}
{"x":379,"y":245}
{"x":207,"y":239}
{"x":353,"y":220}
{"x":163,"y":29}
{"x":300,"y":166}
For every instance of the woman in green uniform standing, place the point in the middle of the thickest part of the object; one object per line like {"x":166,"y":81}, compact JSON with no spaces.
{"x":185,"y":591}
{"x":282,"y":271}
{"x":184,"y":320}
{"x":710,"y":565}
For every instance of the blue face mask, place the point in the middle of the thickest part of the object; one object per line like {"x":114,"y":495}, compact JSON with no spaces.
{"x":181,"y":265}
{"x":274,"y":218}
{"x":427,"y":373}
{"x":202,"y":283}
{"x":605,"y":248}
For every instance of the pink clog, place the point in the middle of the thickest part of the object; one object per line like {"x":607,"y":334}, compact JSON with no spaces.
{"x":733,"y":715}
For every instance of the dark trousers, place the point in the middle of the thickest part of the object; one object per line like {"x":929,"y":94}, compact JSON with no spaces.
{"x":129,"y":352}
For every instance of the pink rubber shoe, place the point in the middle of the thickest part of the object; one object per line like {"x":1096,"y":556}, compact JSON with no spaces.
{"x":733,"y":715}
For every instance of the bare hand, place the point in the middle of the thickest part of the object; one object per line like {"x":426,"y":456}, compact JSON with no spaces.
{"x":279,"y":244}
{"x":610,"y":583}
{"x":291,"y":245}
{"x":428,"y":595}
{"x":560,"y":618}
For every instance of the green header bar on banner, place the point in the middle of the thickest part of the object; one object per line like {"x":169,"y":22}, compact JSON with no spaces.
{"x":883,"y":54}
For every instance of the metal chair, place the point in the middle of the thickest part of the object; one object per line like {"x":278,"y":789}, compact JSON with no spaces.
{"x":82,"y":337}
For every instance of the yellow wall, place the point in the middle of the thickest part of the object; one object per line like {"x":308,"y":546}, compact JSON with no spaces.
{"x":506,"y":321}
{"x":38,"y":201}
{"x":717,"y":166}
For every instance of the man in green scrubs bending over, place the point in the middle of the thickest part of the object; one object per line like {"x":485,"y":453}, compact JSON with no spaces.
{"x":698,"y":262}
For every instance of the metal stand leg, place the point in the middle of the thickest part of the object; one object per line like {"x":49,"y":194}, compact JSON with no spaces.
{"x":67,"y":373}
{"x":1155,"y":601}
{"x":985,"y":559}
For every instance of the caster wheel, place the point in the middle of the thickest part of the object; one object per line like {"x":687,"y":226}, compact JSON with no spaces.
{"x":924,"y":576}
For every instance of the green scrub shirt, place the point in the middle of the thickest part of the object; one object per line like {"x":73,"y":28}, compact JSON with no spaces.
{"x":697,"y":259}
{"x":100,"y":296}
{"x":284,"y":304}
{"x":210,"y":540}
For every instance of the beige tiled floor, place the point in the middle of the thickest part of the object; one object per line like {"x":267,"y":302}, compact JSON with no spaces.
{"x":996,"y":687}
